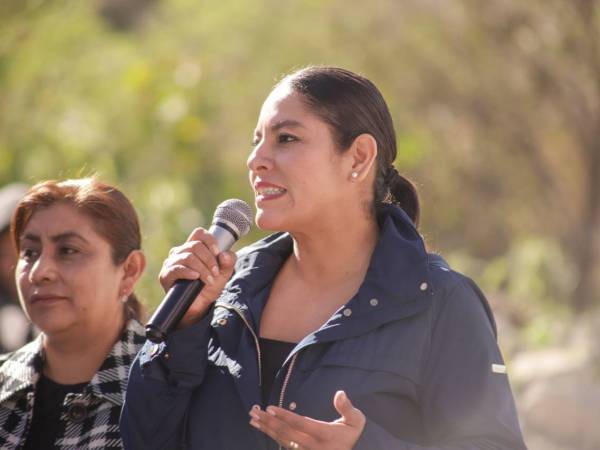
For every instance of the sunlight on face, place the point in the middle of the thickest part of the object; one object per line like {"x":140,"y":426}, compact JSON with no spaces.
{"x":66,"y":277}
{"x":295,"y":169}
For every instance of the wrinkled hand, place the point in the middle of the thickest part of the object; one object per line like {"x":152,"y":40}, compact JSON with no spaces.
{"x":296,"y":432}
{"x":198,"y":258}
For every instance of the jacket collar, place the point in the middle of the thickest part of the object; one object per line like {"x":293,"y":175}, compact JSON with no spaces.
{"x":255,"y":270}
{"x":110,"y":381}
{"x":21,"y":369}
{"x":397,"y":283}
{"x":398,"y":270}
{"x":398,"y":276}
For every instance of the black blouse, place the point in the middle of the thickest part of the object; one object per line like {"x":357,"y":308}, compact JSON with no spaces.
{"x":47,"y":408}
{"x":274,"y":354}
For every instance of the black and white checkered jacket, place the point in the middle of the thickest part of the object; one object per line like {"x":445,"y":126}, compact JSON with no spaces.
{"x":89,"y":419}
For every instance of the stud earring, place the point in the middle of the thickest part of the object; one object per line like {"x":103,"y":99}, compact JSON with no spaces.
{"x":354,"y":175}
{"x":124,"y":298}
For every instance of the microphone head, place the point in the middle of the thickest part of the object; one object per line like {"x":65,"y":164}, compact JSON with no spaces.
{"x":235,"y":213}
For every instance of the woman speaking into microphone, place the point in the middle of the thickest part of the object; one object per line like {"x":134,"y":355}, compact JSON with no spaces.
{"x":337,"y":332}
{"x":79,"y":259}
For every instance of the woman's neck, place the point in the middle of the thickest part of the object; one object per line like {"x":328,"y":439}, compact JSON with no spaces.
{"x":72,"y":359}
{"x":332,"y":254}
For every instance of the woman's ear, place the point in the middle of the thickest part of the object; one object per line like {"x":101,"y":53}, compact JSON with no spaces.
{"x":363,"y":154}
{"x":133,"y":267}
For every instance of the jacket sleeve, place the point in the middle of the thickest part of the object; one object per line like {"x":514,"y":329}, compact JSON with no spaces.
{"x":465,"y":397}
{"x":161,"y":383}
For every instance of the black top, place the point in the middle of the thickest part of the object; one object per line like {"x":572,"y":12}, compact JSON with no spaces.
{"x":47,"y":408}
{"x":274,"y":354}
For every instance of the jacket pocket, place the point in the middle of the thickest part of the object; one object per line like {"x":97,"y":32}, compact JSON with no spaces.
{"x":379,"y":384}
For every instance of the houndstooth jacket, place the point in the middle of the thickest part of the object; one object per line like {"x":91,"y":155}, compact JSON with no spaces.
{"x":89,"y":419}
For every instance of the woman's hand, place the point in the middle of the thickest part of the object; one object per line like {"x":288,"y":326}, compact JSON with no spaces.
{"x":198,"y":258}
{"x":296,"y":432}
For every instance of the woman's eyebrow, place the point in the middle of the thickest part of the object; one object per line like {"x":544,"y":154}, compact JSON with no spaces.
{"x":287,"y":123}
{"x":56,"y":238}
{"x":68,"y":235}
{"x":30,"y":237}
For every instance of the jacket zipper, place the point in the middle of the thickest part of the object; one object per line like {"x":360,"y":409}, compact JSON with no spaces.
{"x":285,"y":383}
{"x":256,"y":342}
{"x":259,"y":357}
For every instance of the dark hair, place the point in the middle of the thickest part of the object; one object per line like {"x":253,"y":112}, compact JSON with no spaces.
{"x":114,"y":218}
{"x":352,"y":105}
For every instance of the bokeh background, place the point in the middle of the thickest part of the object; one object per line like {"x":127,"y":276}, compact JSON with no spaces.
{"x":497,"y":110}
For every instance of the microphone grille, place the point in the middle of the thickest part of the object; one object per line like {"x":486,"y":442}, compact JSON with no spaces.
{"x":236,"y":213}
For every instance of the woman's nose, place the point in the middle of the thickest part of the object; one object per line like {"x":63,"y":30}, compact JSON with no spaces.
{"x":42,"y":270}
{"x":260,"y":158}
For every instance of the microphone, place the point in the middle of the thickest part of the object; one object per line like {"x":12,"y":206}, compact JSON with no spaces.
{"x":231,"y":221}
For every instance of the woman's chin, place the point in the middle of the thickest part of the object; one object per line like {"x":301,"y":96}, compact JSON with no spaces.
{"x":268,"y":221}
{"x":50,"y":323}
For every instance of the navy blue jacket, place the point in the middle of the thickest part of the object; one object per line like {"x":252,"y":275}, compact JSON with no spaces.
{"x":415,"y":350}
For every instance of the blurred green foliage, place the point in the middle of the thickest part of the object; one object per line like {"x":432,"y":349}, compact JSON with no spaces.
{"x":493,"y":104}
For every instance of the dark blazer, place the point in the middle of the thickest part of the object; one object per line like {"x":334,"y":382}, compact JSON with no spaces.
{"x":415,"y":350}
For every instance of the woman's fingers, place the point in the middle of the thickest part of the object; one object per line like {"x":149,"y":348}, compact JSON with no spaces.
{"x":185,"y":266}
{"x":198,"y":258}
{"x":282,"y":430}
{"x":227,"y":260}
{"x":198,"y":253}
{"x":202,"y":235}
{"x":298,"y":422}
{"x":211,"y":291}
{"x":349,"y":414}
{"x":170,"y":273}
{"x":292,"y":430}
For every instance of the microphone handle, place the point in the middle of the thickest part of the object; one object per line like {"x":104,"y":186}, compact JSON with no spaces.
{"x":168,"y":314}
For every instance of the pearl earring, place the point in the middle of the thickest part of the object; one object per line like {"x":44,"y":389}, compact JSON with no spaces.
{"x":354,"y":175}
{"x":124,"y":299}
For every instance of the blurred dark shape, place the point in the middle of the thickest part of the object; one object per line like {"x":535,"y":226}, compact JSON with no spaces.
{"x":124,"y":15}
{"x":15,"y":329}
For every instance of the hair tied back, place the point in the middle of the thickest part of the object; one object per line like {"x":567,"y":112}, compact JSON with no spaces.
{"x":391,"y":175}
{"x":403,"y":192}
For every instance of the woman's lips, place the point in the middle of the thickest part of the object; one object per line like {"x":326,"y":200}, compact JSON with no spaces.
{"x":45,"y":298}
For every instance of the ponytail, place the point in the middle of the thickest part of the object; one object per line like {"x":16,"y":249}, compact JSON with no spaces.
{"x":404,"y":194}
{"x":391,"y":187}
